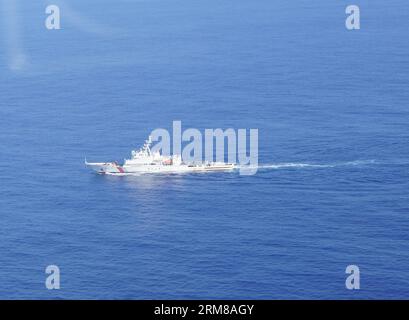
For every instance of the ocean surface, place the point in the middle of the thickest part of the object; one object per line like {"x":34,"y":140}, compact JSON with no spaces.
{"x":331,"y":107}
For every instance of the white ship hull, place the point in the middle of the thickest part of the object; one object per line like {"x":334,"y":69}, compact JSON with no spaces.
{"x":112,"y":168}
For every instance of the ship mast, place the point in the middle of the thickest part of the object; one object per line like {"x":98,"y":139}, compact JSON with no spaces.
{"x":147,"y":146}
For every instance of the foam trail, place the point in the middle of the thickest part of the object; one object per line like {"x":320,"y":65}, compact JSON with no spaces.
{"x":288,"y":165}
{"x":294,"y":165}
{"x":359,"y":162}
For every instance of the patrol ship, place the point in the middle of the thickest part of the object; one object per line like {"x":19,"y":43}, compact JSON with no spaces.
{"x":146,"y":161}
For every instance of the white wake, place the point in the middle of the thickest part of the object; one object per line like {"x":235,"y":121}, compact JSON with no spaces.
{"x":288,"y":165}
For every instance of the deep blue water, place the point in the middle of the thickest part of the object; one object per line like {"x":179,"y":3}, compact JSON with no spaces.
{"x":318,"y":93}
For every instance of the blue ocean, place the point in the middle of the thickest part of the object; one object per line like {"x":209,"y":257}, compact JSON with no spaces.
{"x":331,"y":107}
